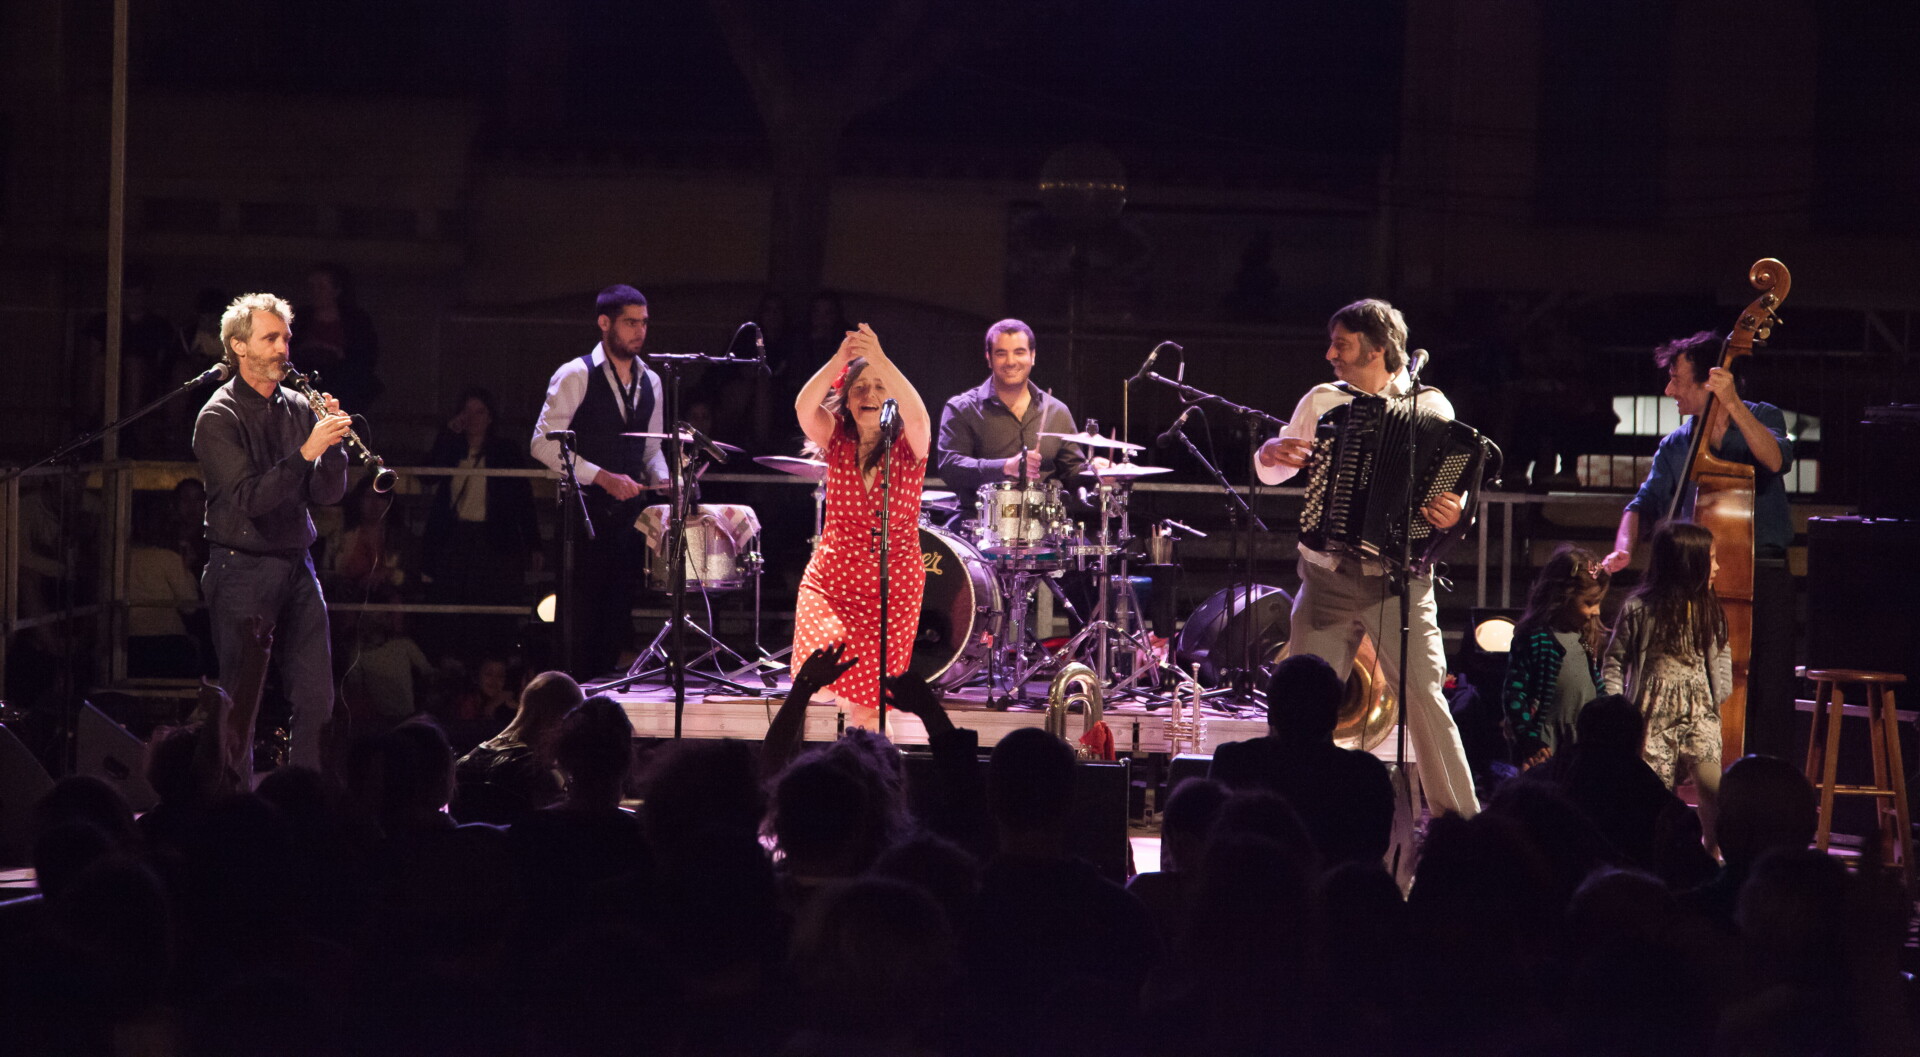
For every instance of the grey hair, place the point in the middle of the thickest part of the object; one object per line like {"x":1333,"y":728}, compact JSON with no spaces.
{"x":1008,"y":326}
{"x":237,"y":320}
{"x":1380,"y":325}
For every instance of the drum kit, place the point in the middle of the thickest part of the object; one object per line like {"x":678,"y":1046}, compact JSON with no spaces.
{"x":982,"y":576}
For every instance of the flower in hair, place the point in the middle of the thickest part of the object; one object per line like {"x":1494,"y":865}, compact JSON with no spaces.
{"x":842,"y":380}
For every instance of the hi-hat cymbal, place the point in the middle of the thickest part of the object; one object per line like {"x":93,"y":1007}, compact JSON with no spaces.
{"x":687,"y":439}
{"x":1094,"y":440}
{"x":1123,"y":469}
{"x":811,"y":469}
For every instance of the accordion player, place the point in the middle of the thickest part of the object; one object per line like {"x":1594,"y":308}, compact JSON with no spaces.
{"x":1362,"y":497}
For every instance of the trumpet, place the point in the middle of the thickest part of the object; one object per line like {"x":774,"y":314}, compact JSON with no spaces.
{"x":383,"y":478}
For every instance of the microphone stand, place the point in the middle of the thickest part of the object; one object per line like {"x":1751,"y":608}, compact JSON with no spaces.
{"x":573,"y":512}
{"x":886,"y":587}
{"x":1244,"y":688}
{"x":67,"y":735}
{"x":669,"y":366}
{"x":1401,"y":580}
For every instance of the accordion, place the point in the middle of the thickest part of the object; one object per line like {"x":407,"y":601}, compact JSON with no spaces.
{"x":1359,"y":492}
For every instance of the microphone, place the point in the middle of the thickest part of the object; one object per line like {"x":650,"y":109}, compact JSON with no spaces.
{"x":1173,"y":431}
{"x":219,"y":372}
{"x":1417,"y":360}
{"x":889,"y":421}
{"x":564,"y":436}
{"x":706,"y":445}
{"x":760,"y":347}
{"x":1152,"y":356}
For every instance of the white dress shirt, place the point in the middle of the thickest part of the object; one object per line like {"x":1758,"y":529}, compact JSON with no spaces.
{"x":1306,"y":419}
{"x":568,"y":388}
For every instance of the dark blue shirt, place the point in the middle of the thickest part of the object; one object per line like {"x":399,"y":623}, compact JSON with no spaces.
{"x":1772,"y":528}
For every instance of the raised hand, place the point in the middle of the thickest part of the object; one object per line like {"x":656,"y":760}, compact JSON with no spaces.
{"x":910,"y":694}
{"x":824,"y":666}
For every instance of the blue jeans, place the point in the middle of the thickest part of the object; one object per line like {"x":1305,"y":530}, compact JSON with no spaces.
{"x":286,"y":593}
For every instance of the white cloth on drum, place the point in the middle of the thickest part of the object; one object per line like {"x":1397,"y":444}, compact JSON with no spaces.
{"x":736,"y":520}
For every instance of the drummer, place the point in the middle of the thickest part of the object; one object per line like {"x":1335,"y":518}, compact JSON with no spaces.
{"x":983,"y":430}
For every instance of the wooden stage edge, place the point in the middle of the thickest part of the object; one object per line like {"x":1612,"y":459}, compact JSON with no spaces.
{"x":729,"y":715}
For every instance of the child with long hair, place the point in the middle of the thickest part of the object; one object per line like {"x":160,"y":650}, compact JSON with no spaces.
{"x":1669,"y":656}
{"x":1553,"y":669}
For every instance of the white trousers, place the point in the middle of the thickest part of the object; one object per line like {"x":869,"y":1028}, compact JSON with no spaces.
{"x":1331,"y":612}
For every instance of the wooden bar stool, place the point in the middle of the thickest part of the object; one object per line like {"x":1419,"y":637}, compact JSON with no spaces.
{"x":1889,"y":772}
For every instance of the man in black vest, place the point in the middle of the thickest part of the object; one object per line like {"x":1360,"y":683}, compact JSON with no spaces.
{"x":600,"y":396}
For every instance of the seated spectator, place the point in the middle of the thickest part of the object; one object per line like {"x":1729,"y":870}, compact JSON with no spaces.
{"x":1604,"y":775}
{"x":1184,"y":828}
{"x":1344,"y":796}
{"x":834,"y":811}
{"x":1765,"y":804}
{"x":512,"y":774}
{"x":583,"y":856}
{"x":1046,"y":929}
{"x":370,"y":549}
{"x":481,"y":536}
{"x":160,"y":592}
{"x":336,"y":338}
{"x":385,"y":665}
{"x":876,"y":967}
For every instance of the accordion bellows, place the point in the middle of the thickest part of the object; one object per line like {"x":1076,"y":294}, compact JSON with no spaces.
{"x":1357,"y":494}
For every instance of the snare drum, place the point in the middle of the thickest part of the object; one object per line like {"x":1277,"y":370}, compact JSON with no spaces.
{"x":712,"y":555}
{"x":1028,"y":526}
{"x":957,"y":612}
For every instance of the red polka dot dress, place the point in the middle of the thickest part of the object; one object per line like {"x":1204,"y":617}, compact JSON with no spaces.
{"x":840,"y":593}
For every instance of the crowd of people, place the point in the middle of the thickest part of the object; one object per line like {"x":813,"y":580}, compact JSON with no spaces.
{"x":543,"y":894}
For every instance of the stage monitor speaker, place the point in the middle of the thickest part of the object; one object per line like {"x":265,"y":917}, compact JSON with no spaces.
{"x":1184,"y":766}
{"x":108,"y":751}
{"x":1860,"y":602}
{"x":1097,"y":824}
{"x":22,"y":783}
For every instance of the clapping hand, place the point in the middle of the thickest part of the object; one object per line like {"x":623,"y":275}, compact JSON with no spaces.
{"x":824,"y":666}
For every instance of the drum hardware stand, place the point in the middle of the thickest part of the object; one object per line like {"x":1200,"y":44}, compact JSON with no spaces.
{"x":1103,"y":625}
{"x":1256,"y":422}
{"x":669,"y":366}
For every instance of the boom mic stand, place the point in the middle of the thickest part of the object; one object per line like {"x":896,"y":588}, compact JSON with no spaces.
{"x":669,"y":366}
{"x":573,"y":512}
{"x":66,"y":735}
{"x":1244,"y":688}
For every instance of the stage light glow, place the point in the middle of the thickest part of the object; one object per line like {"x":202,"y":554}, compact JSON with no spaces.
{"x":548,"y":608}
{"x":1494,"y":635}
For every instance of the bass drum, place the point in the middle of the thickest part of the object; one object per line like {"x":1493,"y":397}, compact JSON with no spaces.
{"x":958,"y":611}
{"x":1215,"y":636}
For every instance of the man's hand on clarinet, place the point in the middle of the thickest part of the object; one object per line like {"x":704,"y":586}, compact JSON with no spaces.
{"x":1444,"y":511}
{"x":330,"y":426}
{"x":1012,"y":466}
{"x":617,"y":485}
{"x":1290,"y":452}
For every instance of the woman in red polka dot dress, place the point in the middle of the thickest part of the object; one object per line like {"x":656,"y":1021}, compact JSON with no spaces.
{"x":839,"y":411}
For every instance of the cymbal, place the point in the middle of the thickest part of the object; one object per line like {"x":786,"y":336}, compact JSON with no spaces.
{"x":811,"y":469}
{"x":686,"y":439}
{"x":1094,"y":440}
{"x":1124,"y":469}
{"x":939,"y":500}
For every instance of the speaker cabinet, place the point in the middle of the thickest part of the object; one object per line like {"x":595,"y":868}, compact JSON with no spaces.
{"x":110,"y":752}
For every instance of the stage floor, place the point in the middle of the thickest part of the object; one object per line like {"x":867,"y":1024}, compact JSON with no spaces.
{"x":728,"y":714}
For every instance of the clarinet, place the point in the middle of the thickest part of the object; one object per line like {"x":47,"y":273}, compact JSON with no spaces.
{"x":383,"y":478}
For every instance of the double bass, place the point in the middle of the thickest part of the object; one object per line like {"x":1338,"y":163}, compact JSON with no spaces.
{"x":1723,"y":494}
